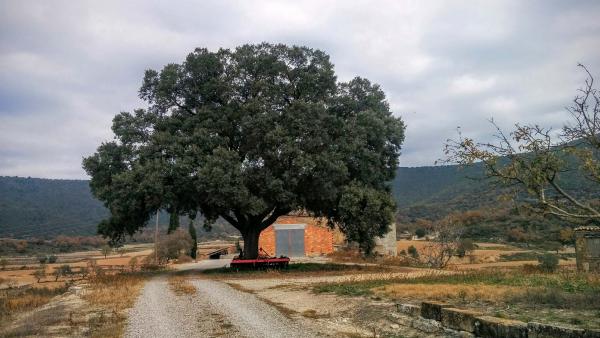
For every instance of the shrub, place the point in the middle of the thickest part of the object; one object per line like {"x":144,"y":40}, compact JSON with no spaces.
{"x":465,"y":246}
{"x":133,"y":263}
{"x":183,"y":258}
{"x":421,"y":232}
{"x":42,"y":259}
{"x":548,"y":262}
{"x":52,"y":259}
{"x":412,"y":251}
{"x":106,"y":250}
{"x":3,"y":263}
{"x":174,"y":244}
{"x":40,"y":273}
{"x":403,"y":252}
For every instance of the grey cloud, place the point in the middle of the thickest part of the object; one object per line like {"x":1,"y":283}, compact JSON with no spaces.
{"x":67,"y":67}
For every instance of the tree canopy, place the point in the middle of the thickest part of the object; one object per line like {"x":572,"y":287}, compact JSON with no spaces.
{"x":248,"y":135}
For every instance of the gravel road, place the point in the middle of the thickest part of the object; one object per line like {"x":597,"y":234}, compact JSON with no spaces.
{"x":216,"y":310}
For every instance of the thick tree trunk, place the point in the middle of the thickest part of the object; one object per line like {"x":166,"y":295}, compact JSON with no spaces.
{"x":251,"y":243}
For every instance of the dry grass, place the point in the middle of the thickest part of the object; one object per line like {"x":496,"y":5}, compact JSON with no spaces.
{"x":181,"y":286}
{"x":15,"y":301}
{"x":462,"y":293}
{"x":112,"y":294}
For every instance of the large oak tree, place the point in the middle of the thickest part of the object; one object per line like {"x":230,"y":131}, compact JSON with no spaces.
{"x":248,"y":135}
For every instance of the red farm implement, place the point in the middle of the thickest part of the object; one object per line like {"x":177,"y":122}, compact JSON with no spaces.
{"x":263,"y":262}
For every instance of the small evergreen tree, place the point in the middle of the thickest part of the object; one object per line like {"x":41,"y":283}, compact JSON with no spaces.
{"x":173,"y":222}
{"x":548,"y":262}
{"x":412,"y":251}
{"x":192,"y":230}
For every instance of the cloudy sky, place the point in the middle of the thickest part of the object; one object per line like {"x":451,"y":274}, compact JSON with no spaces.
{"x":67,"y":67}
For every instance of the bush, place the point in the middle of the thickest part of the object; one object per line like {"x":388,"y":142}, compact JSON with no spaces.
{"x":40,"y":273}
{"x":42,"y":259}
{"x":52,"y":259}
{"x":421,"y":232}
{"x":403,"y":252}
{"x":548,"y":262}
{"x":412,"y":251}
{"x":183,"y":258}
{"x":133,"y":262}
{"x":465,"y":246}
{"x":174,"y":244}
{"x":3,"y":263}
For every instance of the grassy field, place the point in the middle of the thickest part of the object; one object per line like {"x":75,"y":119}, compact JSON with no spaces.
{"x":565,"y":297}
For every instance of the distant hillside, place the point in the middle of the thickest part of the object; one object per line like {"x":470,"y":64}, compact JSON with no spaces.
{"x":32,"y":207}
{"x":46,"y":208}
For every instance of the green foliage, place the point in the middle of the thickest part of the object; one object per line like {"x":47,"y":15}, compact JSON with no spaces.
{"x":248,"y":135}
{"x":421,"y":232}
{"x":52,"y":259}
{"x":548,"y":262}
{"x":412,"y":251}
{"x":42,"y":259}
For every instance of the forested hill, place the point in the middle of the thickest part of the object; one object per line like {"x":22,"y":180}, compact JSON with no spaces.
{"x":33,"y":207}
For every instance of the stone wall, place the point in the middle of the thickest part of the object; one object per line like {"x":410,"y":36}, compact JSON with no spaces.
{"x":587,"y":247}
{"x":440,"y":319}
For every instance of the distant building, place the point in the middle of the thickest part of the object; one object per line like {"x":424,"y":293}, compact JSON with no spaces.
{"x":301,"y":235}
{"x":297,"y":236}
{"x":587,"y":248}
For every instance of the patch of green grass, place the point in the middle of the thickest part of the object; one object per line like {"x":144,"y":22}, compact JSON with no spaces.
{"x":298,"y":267}
{"x":353,"y":289}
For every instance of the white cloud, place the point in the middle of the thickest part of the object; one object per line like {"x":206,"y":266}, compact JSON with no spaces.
{"x":469,"y":84}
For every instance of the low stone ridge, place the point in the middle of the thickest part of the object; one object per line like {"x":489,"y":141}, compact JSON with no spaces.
{"x":539,"y":330}
{"x":459,"y":319}
{"x":493,"y":327}
{"x":436,"y":317}
{"x":409,"y":309}
{"x":433,"y":310}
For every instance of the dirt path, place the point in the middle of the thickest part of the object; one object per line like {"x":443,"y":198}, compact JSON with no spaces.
{"x":215,"y":310}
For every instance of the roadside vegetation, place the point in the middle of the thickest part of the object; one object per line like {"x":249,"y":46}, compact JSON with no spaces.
{"x":111,"y":295}
{"x":525,"y":293}
{"x":296,"y":269}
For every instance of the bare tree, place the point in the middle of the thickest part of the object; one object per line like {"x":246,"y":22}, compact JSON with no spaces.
{"x":535,"y":158}
{"x":445,"y":244}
